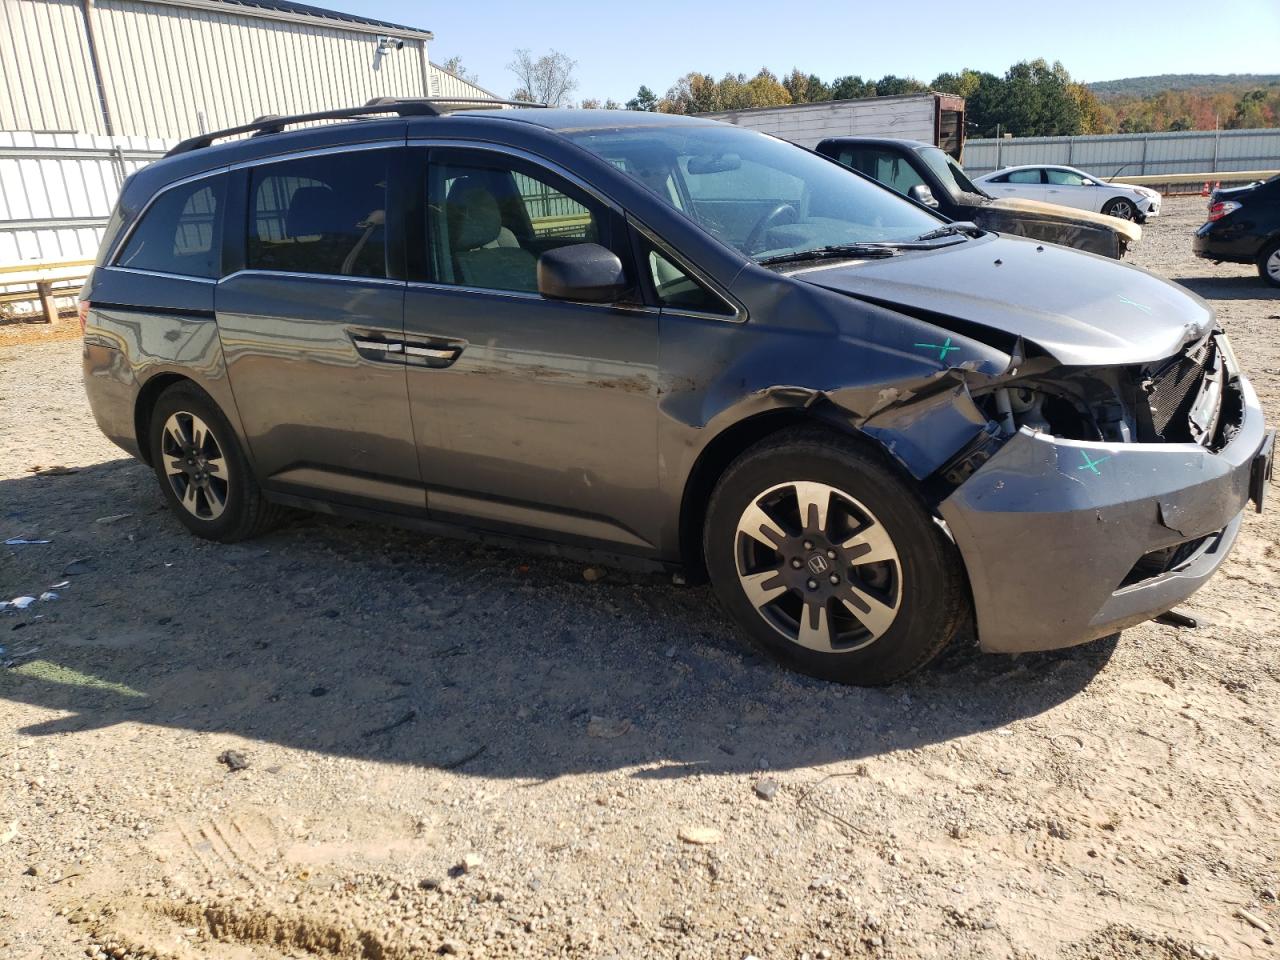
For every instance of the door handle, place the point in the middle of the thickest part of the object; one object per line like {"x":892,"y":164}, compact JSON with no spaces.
{"x":436,"y":352}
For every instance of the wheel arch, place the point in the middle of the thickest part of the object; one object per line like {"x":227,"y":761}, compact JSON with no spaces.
{"x":730,"y":443}
{"x":146,"y":404}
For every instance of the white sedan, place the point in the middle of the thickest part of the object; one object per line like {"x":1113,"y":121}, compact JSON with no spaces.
{"x":1072,"y":188}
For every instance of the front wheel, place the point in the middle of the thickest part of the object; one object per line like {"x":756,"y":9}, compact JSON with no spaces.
{"x":1269,"y":264}
{"x":1121,"y":207}
{"x":830,"y":561}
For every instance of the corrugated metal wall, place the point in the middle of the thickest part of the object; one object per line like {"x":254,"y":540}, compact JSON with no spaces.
{"x":57,"y":191}
{"x":172,"y":70}
{"x":165,"y":66}
{"x":45,"y":71}
{"x":445,"y":84}
{"x":1139,"y":154}
{"x":807,"y":124}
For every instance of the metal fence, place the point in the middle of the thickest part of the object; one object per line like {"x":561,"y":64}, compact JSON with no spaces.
{"x":1136,"y":154}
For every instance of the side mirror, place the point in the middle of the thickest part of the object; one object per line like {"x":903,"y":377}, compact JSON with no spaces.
{"x":581,"y":271}
{"x":922,"y":194}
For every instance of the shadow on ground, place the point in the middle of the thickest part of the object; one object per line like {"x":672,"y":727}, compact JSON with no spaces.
{"x":363,"y":641}
{"x":1230,"y":288}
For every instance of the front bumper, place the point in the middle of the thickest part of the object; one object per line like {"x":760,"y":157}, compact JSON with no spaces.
{"x":1149,"y":207}
{"x":1055,"y":533}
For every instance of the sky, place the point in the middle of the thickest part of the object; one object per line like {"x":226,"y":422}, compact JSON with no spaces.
{"x":619,"y":46}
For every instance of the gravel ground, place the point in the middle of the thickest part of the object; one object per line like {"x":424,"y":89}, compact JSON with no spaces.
{"x":453,"y":749}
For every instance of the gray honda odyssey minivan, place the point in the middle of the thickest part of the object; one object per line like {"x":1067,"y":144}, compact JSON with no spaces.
{"x":674,"y":343}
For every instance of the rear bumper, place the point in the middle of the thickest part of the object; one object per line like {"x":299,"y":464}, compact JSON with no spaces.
{"x":1052,"y":531}
{"x":1220,"y":242}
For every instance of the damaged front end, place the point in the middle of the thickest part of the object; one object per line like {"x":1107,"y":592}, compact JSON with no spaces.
{"x":1088,"y":499}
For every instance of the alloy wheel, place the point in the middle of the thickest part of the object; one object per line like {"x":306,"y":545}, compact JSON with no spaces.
{"x":195,"y":466}
{"x":1122,"y":209}
{"x":818,"y":566}
{"x":1273,"y":266}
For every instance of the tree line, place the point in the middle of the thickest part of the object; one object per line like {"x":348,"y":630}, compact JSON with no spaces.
{"x":1031,"y":98}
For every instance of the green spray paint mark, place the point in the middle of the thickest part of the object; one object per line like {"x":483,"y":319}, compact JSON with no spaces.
{"x":1091,"y":464}
{"x":943,"y":348}
{"x":1134,"y":303}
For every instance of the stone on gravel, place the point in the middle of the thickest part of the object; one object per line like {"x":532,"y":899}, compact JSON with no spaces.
{"x":603,"y":728}
{"x":766,"y":789}
{"x":235,"y":760}
{"x":592,"y":574}
{"x":701,"y":836}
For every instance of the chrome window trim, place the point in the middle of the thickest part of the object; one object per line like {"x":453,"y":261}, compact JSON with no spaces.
{"x":120,"y":244}
{"x":304,"y":275}
{"x":460,"y":288}
{"x":737,"y":312}
{"x":527,"y":295}
{"x":316,"y":152}
{"x":160,"y":273}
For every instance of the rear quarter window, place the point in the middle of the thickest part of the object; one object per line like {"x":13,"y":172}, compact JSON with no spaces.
{"x":180,"y":232}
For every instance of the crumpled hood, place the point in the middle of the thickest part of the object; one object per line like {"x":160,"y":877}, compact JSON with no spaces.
{"x":1056,"y":211}
{"x":1082,"y":309}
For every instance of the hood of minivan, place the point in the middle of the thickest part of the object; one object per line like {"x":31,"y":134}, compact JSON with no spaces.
{"x":1082,"y":309}
{"x":1056,"y":211}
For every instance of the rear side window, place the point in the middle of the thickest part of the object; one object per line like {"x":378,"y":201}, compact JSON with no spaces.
{"x":1023,"y":176}
{"x":180,"y":232}
{"x":322,"y":214}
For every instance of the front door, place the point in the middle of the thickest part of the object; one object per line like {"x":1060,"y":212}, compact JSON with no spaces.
{"x":532,"y":415}
{"x":310,"y":329}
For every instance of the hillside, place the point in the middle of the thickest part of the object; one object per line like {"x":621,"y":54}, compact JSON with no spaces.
{"x":1142,"y":87}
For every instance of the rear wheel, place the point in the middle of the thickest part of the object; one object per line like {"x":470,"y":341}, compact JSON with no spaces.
{"x":1269,"y":264}
{"x":1121,"y":207}
{"x":202,"y":471}
{"x":830,"y":562}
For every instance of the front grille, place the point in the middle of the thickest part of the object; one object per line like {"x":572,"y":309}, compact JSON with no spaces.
{"x":1185,"y":395}
{"x":1172,"y":391}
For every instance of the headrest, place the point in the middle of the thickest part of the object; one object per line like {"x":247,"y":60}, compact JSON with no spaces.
{"x":473,"y":215}
{"x":310,"y":212}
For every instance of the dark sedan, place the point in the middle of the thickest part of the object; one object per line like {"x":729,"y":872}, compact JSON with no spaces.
{"x":1244,"y":227}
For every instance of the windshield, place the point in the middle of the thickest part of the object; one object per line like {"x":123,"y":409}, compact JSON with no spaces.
{"x":948,"y":171}
{"x":765,"y":197}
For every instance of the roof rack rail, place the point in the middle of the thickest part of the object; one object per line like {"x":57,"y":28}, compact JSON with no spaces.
{"x":272,"y":123}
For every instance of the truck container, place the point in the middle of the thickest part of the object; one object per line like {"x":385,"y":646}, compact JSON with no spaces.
{"x":936,"y":118}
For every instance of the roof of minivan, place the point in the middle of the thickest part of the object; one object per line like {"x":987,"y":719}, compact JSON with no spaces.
{"x":575,"y":121}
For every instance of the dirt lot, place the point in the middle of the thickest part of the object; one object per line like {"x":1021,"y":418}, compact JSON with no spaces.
{"x":456,"y":749}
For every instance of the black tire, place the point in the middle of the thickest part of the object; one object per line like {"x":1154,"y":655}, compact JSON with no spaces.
{"x":931,"y":589}
{"x":1266,"y":266}
{"x":244,"y":513}
{"x":1113,"y":207}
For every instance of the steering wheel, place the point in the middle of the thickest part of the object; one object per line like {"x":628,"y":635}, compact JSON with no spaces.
{"x":770,"y":219}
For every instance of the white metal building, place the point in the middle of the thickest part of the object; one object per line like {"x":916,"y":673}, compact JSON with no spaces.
{"x":173,"y":68}
{"x":92,"y":89}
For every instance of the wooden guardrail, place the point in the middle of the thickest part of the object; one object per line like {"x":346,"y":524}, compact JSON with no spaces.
{"x":48,"y":281}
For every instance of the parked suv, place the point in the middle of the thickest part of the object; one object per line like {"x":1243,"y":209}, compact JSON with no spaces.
{"x":678,"y":343}
{"x":931,"y":177}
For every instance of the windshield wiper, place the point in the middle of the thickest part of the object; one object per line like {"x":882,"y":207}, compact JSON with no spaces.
{"x":950,"y":229}
{"x":834,"y":251}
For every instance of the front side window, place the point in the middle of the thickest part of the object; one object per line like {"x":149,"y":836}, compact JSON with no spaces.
{"x":490,"y":217}
{"x":180,"y":233}
{"x":676,"y":288}
{"x":323,"y":214}
{"x":1065,"y":178}
{"x":761,"y":195}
